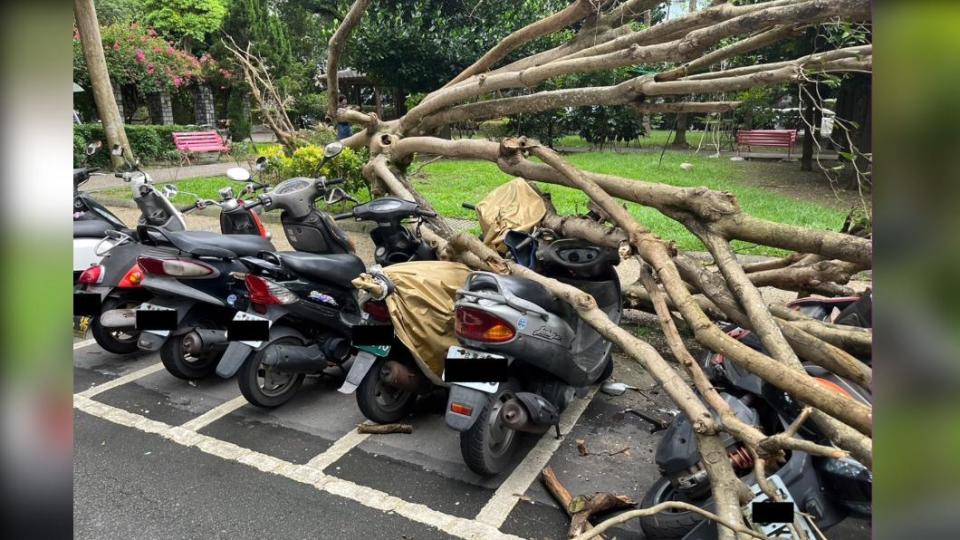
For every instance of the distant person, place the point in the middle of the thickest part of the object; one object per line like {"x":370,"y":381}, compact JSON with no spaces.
{"x":343,"y":128}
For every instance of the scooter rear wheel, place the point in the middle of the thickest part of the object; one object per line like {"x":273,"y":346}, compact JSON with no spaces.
{"x":115,"y":341}
{"x":184,"y":365}
{"x":263,"y":387}
{"x":378,"y":401}
{"x":487,"y":447}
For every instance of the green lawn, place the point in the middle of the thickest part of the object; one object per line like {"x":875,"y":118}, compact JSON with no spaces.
{"x":448,"y":183}
{"x":656,"y":139}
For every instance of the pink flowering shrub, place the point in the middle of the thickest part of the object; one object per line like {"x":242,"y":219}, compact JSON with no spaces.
{"x":139,"y":56}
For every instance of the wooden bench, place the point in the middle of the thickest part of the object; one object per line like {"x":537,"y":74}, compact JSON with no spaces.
{"x":199,"y":142}
{"x":784,"y":138}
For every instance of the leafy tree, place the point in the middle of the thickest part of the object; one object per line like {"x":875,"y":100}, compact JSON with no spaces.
{"x":119,"y":11}
{"x":187,"y":20}
{"x":421,"y":44}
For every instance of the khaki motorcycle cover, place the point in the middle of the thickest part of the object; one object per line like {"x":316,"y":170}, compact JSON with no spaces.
{"x":512,"y":206}
{"x":421,"y":308}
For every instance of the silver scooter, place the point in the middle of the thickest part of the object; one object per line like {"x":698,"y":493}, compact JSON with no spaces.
{"x":524,"y":354}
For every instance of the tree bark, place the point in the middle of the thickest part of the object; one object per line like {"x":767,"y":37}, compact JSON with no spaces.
{"x":335,"y":48}
{"x":92,"y":43}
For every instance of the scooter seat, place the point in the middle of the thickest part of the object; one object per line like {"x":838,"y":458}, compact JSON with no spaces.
{"x":338,"y":268}
{"x":530,"y":291}
{"x":201,"y":242}
{"x":91,"y":228}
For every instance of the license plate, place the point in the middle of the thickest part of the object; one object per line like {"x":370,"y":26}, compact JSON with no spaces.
{"x":479,"y":370}
{"x":151,"y":309}
{"x":797,"y":528}
{"x":377,"y":350}
{"x":244,"y":316}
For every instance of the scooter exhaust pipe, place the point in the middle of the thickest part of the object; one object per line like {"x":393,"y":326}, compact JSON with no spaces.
{"x":402,"y":377}
{"x":295,"y":358}
{"x":119,"y":319}
{"x":529,"y":413}
{"x":204,"y":340}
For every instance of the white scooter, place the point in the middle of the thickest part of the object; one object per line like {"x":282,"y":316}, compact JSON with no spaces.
{"x":96,"y":230}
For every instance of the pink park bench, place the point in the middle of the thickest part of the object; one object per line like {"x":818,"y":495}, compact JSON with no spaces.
{"x":784,"y":138}
{"x":199,"y":142}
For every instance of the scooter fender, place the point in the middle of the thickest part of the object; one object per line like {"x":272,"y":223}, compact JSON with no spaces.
{"x":237,"y":352}
{"x":234,"y":357}
{"x":469,"y":397}
{"x":362,"y":363}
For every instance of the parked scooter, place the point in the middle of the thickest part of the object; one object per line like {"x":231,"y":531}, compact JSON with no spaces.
{"x":827,"y":490}
{"x":119,"y":278}
{"x":543,"y":351}
{"x":105,"y":250}
{"x":312,"y":308}
{"x":200,"y":276}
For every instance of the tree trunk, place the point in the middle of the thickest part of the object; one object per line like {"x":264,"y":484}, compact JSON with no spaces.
{"x":806,"y":159}
{"x":680,"y":138}
{"x":89,"y":28}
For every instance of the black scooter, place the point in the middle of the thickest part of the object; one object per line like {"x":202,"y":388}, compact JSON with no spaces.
{"x":311,"y":307}
{"x":828,"y":490}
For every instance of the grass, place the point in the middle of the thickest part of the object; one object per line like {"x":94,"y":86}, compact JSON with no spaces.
{"x":656,"y":139}
{"x":449,"y":183}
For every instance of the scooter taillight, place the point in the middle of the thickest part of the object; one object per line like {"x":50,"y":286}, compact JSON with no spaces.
{"x":263,"y":291}
{"x":377,"y":310}
{"x":132,"y":279}
{"x":178,"y":268}
{"x":92,"y":275}
{"x":477,"y":325}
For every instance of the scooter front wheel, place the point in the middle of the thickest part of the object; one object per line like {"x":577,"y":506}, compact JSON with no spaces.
{"x":264,"y":386}
{"x":487,"y":447}
{"x":671,"y":524}
{"x":378,"y":401}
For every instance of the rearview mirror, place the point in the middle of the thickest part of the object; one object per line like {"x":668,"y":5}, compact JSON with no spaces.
{"x":261,"y":163}
{"x":117,"y":150}
{"x":93,"y":147}
{"x":238,"y":174}
{"x":169,"y":191}
{"x":332,"y":150}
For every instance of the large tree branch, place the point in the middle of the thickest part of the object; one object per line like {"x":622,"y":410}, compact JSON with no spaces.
{"x":640,"y":87}
{"x":548,"y":25}
{"x":335,"y":49}
{"x":684,"y":49}
{"x":719,"y":209}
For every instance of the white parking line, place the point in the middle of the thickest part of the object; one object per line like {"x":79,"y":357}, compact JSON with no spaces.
{"x":120,"y":381}
{"x":84,"y":343}
{"x":338,"y":449}
{"x":367,"y":496}
{"x":495,"y":512}
{"x":215,"y":414}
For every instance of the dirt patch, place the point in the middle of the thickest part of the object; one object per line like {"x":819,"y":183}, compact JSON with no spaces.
{"x":786,"y":178}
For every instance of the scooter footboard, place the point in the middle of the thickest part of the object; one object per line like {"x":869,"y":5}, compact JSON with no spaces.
{"x":464,"y":406}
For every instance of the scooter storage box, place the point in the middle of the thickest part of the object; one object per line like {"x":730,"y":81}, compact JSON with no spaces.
{"x":315,"y":234}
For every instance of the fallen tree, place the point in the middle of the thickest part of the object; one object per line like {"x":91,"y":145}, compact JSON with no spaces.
{"x":673,"y":285}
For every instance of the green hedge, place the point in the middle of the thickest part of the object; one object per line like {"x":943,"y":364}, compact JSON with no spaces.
{"x":150,"y":143}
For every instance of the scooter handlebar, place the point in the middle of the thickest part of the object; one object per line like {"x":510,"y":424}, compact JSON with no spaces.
{"x":345,"y":215}
{"x":469,"y":206}
{"x":333,"y":182}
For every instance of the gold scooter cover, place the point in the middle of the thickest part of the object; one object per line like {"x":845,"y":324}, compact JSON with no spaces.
{"x":421,"y":309}
{"x":512,"y":206}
